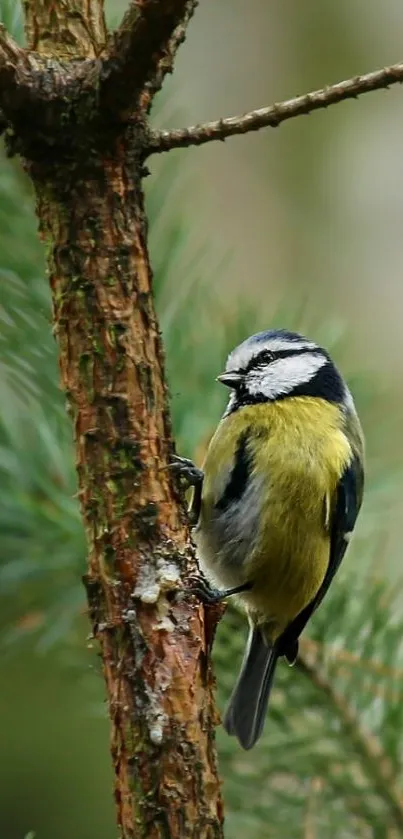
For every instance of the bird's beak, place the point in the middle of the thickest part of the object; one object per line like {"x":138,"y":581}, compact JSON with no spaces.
{"x":230,"y":379}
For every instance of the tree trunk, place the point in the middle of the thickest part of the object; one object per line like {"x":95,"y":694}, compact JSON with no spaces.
{"x":87,"y":171}
{"x":153,"y":648}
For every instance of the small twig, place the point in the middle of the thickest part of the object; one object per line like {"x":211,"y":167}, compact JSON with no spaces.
{"x":196,"y":135}
{"x":374,"y":760}
{"x":141,"y":52}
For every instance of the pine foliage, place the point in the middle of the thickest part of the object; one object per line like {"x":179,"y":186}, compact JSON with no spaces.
{"x":329,"y":763}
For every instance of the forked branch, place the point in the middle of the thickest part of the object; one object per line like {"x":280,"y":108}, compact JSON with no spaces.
{"x":274,"y":115}
{"x":142,"y":51}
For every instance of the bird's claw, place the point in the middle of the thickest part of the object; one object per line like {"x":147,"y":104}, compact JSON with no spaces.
{"x":201,"y":588}
{"x":186,"y":470}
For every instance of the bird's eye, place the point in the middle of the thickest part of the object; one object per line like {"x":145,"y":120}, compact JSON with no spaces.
{"x":267,"y":356}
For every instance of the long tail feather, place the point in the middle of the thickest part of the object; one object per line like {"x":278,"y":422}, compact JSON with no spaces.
{"x":246,"y":710}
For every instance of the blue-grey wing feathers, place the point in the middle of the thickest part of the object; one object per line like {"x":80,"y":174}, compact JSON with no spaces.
{"x":347,"y":507}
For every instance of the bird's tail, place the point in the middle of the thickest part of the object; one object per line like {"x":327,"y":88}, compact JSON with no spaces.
{"x":246,"y":711}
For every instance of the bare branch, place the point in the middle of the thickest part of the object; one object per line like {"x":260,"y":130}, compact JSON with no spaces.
{"x":142,"y":51}
{"x":274,"y":115}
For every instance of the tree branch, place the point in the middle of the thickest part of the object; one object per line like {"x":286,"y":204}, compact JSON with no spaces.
{"x":166,"y":63}
{"x":273,"y":116}
{"x":141,"y":52}
{"x":374,"y":760}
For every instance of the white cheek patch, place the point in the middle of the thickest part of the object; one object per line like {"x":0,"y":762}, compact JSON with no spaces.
{"x":242,"y":355}
{"x":285,"y":374}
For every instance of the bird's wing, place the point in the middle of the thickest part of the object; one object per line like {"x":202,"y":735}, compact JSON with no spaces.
{"x":348,"y":502}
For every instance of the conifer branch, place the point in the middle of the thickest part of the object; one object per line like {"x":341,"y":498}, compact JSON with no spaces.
{"x":374,"y":760}
{"x":274,"y":115}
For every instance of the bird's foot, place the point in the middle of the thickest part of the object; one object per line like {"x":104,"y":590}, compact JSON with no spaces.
{"x":202,"y":589}
{"x":190,"y":474}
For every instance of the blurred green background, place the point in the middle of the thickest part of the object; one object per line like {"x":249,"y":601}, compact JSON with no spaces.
{"x":299,"y":226}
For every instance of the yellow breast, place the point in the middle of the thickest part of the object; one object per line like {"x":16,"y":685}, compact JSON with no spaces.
{"x":298,"y":452}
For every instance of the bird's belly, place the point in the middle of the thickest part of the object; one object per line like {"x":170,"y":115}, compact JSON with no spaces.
{"x":275,"y":533}
{"x":286,"y":560}
{"x":286,"y":574}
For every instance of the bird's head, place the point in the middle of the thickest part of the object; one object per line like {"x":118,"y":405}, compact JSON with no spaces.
{"x":275,"y":364}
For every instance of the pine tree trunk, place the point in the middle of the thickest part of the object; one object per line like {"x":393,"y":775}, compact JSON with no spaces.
{"x":87,"y":173}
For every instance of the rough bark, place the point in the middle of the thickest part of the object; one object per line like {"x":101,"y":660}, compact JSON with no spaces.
{"x":87,"y":177}
{"x":143,"y":50}
{"x":153,"y":646}
{"x":65,"y":29}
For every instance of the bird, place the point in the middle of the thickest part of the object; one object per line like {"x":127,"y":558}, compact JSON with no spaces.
{"x":275,"y":502}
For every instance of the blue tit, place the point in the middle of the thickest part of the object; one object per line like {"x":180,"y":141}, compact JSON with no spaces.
{"x":276,"y":502}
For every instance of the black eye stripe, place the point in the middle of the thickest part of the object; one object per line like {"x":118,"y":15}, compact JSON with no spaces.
{"x":302,"y":351}
{"x":267,"y":356}
{"x":325,"y":384}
